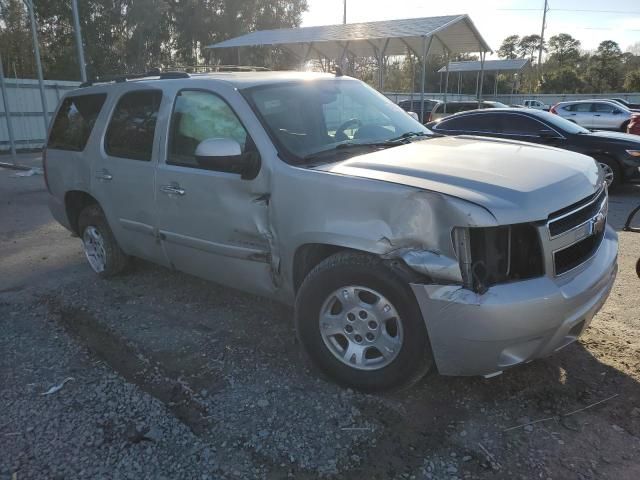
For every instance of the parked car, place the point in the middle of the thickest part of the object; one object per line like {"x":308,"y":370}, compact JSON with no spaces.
{"x":617,"y":153}
{"x":415,"y":106}
{"x":400,"y":251}
{"x":634,"y":125}
{"x":630,"y":106}
{"x":442,"y":109}
{"x":536,"y":104}
{"x":595,"y":114}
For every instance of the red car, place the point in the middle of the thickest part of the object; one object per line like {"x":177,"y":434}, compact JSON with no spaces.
{"x":634,"y":125}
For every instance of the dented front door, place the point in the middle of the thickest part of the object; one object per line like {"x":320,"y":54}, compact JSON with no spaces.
{"x":212,"y":223}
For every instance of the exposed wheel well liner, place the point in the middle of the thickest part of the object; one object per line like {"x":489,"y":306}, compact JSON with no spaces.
{"x":75,"y":201}
{"x":307,"y":257}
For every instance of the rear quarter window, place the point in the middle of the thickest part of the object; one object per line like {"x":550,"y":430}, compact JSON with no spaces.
{"x":74,"y":122}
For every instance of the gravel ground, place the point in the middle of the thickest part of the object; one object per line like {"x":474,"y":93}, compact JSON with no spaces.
{"x":174,"y":377}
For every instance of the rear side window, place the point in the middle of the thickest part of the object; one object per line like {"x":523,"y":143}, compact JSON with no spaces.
{"x":133,"y":124}
{"x":74,"y":122}
{"x":604,"y":108}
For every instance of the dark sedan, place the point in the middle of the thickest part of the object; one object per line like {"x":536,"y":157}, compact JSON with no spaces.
{"x":617,"y":153}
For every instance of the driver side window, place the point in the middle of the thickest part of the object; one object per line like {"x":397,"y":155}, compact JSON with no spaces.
{"x":197,"y":116}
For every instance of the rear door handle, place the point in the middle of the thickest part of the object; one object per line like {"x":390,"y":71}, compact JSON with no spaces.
{"x":172,"y":190}
{"x":104,"y":175}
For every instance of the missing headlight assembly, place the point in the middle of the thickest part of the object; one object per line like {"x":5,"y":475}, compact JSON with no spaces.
{"x":493,"y":255}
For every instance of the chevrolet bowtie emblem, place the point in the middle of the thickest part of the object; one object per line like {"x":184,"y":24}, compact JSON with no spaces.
{"x":598,"y":223}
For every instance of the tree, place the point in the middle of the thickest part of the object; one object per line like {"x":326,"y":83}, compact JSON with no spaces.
{"x":632,"y":81}
{"x":124,"y":36}
{"x":509,"y":47}
{"x":529,"y":45}
{"x":564,"y":48}
{"x":605,"y":72}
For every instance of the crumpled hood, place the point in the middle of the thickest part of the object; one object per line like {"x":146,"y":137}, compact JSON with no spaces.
{"x":516,"y":181}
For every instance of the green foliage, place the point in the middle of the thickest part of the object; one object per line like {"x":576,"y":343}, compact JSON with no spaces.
{"x":122,"y":36}
{"x":569,"y":70}
{"x":563,"y":49}
{"x":510,"y":47}
{"x":632,"y":81}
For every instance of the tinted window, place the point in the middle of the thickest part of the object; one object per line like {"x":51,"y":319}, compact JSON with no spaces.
{"x":521,"y":125}
{"x":470,"y":124}
{"x":133,"y":124}
{"x":74,"y":122}
{"x":579,"y":107}
{"x":604,"y":108}
{"x":198,"y":116}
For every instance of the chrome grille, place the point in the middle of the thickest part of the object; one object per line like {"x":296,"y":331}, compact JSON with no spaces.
{"x":577,"y":214}
{"x":576,"y":232}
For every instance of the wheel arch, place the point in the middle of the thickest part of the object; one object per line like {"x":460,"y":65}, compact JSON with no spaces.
{"x":74,"y":202}
{"x":308,"y":256}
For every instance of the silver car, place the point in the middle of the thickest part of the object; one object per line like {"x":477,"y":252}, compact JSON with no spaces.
{"x":595,"y":114}
{"x":401,"y":252}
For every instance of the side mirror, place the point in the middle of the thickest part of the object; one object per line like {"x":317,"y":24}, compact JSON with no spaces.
{"x":414,"y":115}
{"x":225,"y":155}
{"x":616,"y":112}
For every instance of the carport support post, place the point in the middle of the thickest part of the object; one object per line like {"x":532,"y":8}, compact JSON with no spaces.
{"x":426,"y":46}
{"x":483,"y":54}
{"x":446,"y":81}
{"x":36,"y":51}
{"x":7,"y":113}
{"x":382,"y":53}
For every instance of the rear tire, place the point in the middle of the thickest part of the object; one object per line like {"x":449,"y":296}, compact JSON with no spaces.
{"x":360,"y":324}
{"x":100,"y":246}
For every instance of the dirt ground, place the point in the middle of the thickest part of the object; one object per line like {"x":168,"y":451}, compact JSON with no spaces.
{"x":174,"y":377}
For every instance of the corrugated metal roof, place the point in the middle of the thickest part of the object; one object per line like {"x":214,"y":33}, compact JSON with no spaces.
{"x":456,"y":32}
{"x":489,"y":65}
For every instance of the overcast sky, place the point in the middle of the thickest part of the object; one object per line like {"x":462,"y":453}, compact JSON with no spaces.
{"x":497,"y":19}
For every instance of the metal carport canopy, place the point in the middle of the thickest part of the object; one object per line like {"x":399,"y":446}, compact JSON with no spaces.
{"x":489,"y":66}
{"x":451,"y":34}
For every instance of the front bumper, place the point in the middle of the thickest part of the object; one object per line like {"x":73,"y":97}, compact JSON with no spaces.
{"x":513,"y":323}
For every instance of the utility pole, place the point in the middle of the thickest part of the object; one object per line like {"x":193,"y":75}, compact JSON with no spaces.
{"x":344,"y":16}
{"x":78,"y":35}
{"x":36,"y":52}
{"x":544,"y":24}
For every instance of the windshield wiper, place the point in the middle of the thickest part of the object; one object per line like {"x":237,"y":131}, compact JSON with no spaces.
{"x":408,"y":135}
{"x":352,"y":145}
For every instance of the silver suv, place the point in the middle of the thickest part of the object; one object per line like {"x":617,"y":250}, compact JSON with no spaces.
{"x":401,"y":251}
{"x":595,"y":114}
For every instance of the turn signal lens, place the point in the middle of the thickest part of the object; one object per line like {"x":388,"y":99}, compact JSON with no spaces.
{"x":634,"y":153}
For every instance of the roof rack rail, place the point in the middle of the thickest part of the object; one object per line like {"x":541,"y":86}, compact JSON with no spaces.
{"x":154,"y":72}
{"x":211,"y":68}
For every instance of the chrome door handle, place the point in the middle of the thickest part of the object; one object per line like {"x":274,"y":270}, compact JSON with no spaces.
{"x":104,"y":176}
{"x":172,"y":190}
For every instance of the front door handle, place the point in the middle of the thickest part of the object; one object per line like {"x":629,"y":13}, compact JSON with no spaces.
{"x":172,"y":190}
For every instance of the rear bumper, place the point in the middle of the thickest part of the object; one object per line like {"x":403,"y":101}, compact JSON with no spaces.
{"x":59,"y":212}
{"x":510,"y":324}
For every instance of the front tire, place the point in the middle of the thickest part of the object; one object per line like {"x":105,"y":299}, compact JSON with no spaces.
{"x":612,"y":171}
{"x":100,"y":246}
{"x":360,"y":324}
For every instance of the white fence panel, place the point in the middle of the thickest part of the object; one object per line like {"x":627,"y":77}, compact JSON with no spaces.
{"x":25,"y":108}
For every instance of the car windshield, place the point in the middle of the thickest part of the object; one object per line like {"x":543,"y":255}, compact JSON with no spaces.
{"x":562,"y":123}
{"x":308,"y":118}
